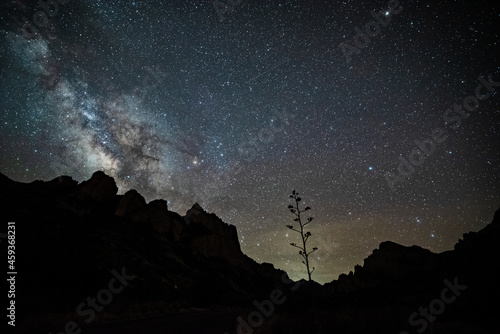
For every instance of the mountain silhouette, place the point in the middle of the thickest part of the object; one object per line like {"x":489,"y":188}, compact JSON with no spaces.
{"x":77,"y":242}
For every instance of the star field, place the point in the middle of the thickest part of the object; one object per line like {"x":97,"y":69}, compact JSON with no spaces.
{"x":234,"y":107}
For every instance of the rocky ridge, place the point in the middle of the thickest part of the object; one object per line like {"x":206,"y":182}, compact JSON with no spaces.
{"x":72,"y":235}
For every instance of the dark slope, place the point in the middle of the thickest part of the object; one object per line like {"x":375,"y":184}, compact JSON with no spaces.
{"x":397,"y":287}
{"x":190,"y":271}
{"x":71,"y":236}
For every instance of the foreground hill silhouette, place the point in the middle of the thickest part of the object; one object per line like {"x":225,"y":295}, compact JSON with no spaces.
{"x":187,"y":274}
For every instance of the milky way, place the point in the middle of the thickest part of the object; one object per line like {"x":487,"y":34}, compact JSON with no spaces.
{"x":235,"y":106}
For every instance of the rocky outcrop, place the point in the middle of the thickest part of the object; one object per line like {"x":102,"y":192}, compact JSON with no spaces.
{"x":162,"y":220}
{"x":159,"y":204}
{"x":209,"y":220}
{"x":64,"y":182}
{"x":220,"y":239}
{"x":133,"y":207}
{"x":74,"y":234}
{"x":100,"y":188}
{"x":394,"y":266}
{"x":482,"y":240}
{"x":390,"y":262}
{"x":130,"y":203}
{"x":394,"y":261}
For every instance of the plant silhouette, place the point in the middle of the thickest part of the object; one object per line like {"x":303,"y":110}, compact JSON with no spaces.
{"x":295,"y":209}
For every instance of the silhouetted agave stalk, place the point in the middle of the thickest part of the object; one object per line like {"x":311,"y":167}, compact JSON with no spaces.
{"x":304,"y":235}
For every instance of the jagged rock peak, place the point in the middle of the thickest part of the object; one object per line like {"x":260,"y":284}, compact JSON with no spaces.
{"x":196,"y":212}
{"x":100,"y":187}
{"x":210,"y":220}
{"x":223,"y":238}
{"x":197,"y":206}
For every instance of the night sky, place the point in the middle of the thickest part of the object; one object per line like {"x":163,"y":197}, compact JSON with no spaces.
{"x":234,"y":104}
